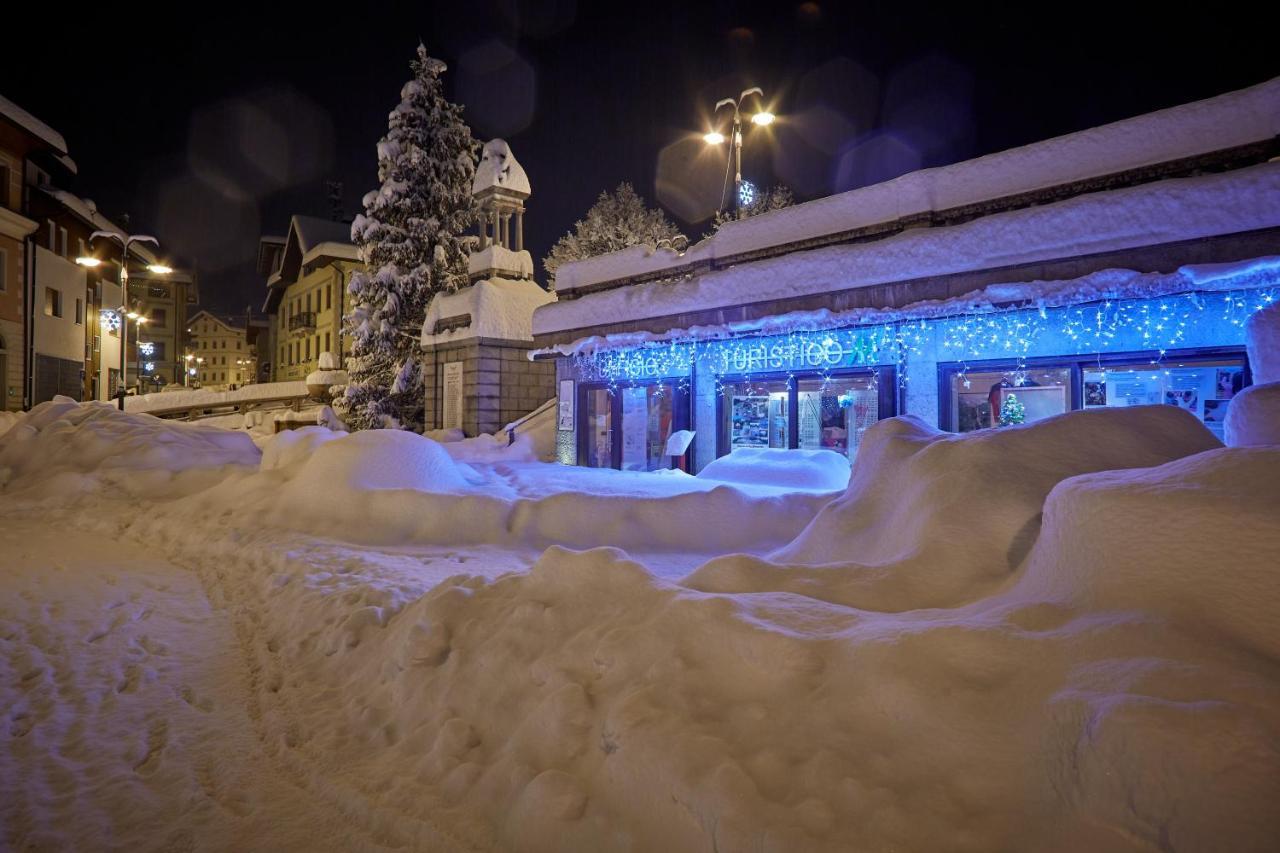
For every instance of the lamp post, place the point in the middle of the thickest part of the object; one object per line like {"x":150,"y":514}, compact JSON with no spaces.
{"x":125,"y":240}
{"x":763,"y":118}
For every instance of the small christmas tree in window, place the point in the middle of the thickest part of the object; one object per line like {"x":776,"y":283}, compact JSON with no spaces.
{"x":1012,"y":411}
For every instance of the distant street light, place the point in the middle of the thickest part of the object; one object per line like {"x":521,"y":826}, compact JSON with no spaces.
{"x":125,"y":240}
{"x":763,"y":118}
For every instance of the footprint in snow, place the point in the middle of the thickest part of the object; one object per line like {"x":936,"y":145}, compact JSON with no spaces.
{"x":157,"y":740}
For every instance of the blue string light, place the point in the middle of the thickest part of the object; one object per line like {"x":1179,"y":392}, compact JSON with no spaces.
{"x":1159,"y":325}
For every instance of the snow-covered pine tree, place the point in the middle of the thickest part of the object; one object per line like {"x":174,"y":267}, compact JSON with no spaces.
{"x":617,"y":220}
{"x":774,"y":198}
{"x":411,"y":239}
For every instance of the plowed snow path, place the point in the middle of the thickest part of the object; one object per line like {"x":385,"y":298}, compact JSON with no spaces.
{"x":125,"y":718}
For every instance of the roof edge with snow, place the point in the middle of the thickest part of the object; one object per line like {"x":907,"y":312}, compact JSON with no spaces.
{"x":1085,"y":161}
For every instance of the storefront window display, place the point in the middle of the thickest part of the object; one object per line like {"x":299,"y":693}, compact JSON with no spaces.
{"x":756,"y":414}
{"x":834,"y":414}
{"x":983,"y":397}
{"x":1203,"y":388}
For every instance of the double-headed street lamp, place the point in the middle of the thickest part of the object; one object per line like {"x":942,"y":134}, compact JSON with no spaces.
{"x":124,"y":315}
{"x":763,"y":118}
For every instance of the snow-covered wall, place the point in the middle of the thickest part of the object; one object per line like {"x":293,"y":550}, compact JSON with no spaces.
{"x":500,"y":309}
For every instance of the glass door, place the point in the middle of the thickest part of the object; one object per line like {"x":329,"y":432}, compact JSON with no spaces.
{"x":598,"y":428}
{"x":648,"y":419}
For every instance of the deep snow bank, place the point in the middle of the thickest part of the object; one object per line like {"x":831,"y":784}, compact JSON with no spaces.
{"x":819,"y":470}
{"x":62,"y":447}
{"x":1120,"y":696}
{"x":1197,"y":540}
{"x":933,"y":519}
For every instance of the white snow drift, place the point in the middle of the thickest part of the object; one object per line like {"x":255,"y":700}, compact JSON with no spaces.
{"x":1056,"y":636}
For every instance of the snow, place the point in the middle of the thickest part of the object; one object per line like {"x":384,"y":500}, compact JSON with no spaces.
{"x":326,"y":377}
{"x":1237,"y":118}
{"x":33,"y":125}
{"x":88,"y":211}
{"x":499,"y":168}
{"x":200,"y":398}
{"x":1053,"y":636}
{"x":1262,"y":334}
{"x":501,"y":309}
{"x":819,"y":470}
{"x":498,"y":260}
{"x":1148,"y":214}
{"x":1253,"y":417}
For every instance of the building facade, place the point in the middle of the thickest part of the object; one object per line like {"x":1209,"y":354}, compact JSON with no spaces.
{"x":221,"y":353}
{"x":29,"y":151}
{"x":166,"y":301}
{"x":1111,"y":267}
{"x":307,"y":295}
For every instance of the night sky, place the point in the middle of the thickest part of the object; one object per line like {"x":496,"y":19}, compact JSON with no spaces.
{"x":211,"y":132}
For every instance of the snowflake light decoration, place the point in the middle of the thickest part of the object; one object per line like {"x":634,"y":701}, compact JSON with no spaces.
{"x":747,"y":194}
{"x":110,"y":320}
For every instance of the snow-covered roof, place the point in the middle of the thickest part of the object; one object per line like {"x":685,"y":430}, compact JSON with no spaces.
{"x":309,"y":239}
{"x":1144,"y":215}
{"x":34,"y":126}
{"x":499,"y":259}
{"x":499,"y":168}
{"x":1228,"y":121}
{"x":312,"y":231}
{"x":498,"y":309}
{"x":88,"y":212}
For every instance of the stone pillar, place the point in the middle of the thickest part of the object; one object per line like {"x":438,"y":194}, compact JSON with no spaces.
{"x":519,"y":247}
{"x":484,"y":233}
{"x":506,"y":230}
{"x":497,"y":236}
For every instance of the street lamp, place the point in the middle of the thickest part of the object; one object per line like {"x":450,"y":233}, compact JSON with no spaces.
{"x":763,"y":118}
{"x":125,"y":240}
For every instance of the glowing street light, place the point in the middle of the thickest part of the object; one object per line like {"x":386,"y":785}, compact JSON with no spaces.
{"x":125,"y":241}
{"x":763,"y":118}
{"x":161,"y":269}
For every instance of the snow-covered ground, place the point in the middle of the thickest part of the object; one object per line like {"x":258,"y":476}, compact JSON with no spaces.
{"x":1056,"y":636}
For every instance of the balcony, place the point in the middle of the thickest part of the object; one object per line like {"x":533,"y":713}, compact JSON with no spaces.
{"x":304,"y":322}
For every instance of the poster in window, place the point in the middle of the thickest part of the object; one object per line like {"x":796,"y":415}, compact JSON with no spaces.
{"x":1184,"y":398}
{"x":1229,"y":382}
{"x":1095,"y":393}
{"x":564,"y":421}
{"x":1215,"y":412}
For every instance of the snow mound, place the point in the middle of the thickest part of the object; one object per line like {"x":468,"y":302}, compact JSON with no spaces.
{"x":1196,"y":540}
{"x":1262,"y":336}
{"x":930,"y":518}
{"x":1253,"y":417}
{"x":817,"y":470}
{"x":376,"y":460}
{"x":292,"y":447}
{"x":62,"y":446}
{"x":8,"y":419}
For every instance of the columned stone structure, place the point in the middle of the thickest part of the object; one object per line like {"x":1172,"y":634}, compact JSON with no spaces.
{"x":476,"y":341}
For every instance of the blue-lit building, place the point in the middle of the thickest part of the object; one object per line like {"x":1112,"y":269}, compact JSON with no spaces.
{"x":1110,"y":267}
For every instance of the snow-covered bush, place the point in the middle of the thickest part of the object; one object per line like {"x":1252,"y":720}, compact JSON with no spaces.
{"x":617,"y":220}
